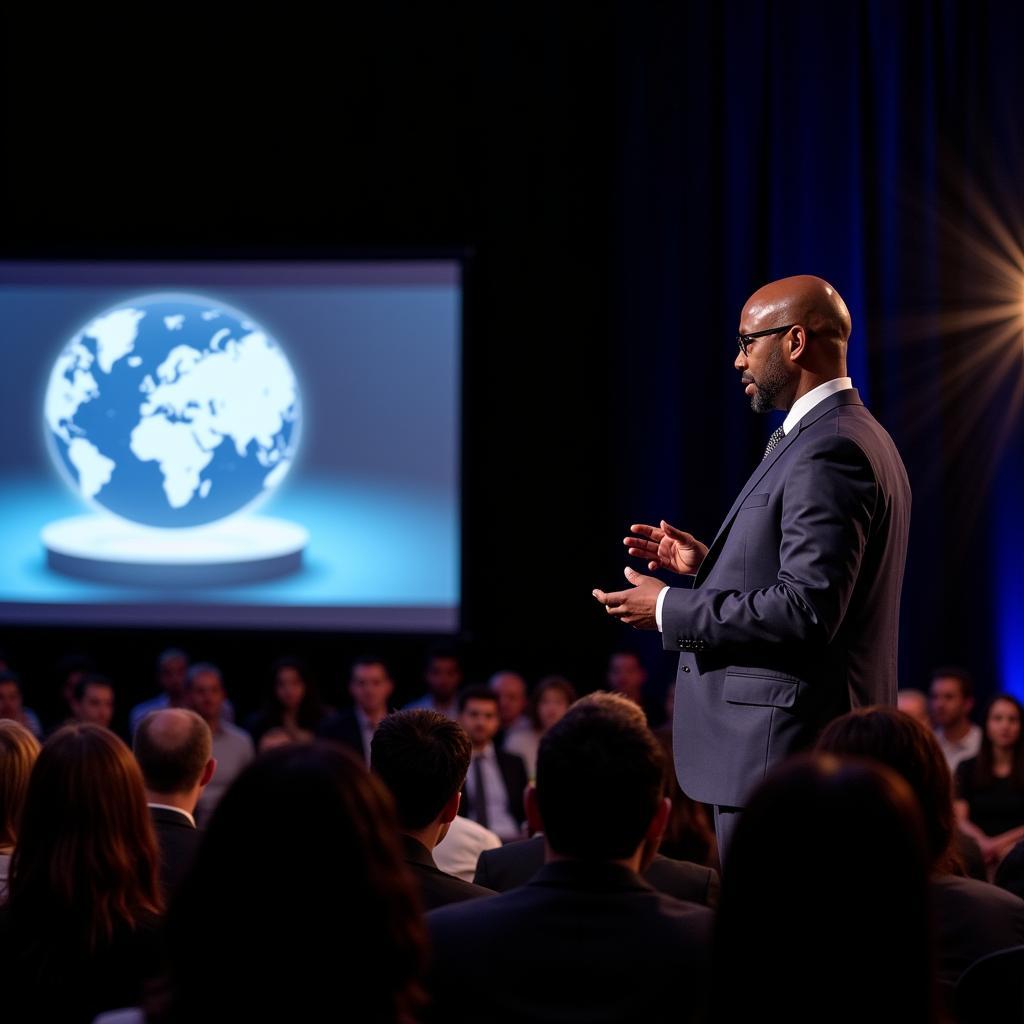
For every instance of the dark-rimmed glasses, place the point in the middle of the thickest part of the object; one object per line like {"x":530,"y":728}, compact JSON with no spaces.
{"x":742,"y":340}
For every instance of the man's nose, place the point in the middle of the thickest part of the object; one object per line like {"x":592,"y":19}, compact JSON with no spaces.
{"x":740,"y":362}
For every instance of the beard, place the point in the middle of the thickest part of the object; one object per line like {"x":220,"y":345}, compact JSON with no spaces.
{"x":769,"y":384}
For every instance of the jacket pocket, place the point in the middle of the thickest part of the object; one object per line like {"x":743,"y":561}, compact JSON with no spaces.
{"x":755,"y":501}
{"x":761,"y":689}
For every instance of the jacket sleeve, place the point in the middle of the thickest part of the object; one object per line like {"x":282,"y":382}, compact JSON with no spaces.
{"x":829,"y":501}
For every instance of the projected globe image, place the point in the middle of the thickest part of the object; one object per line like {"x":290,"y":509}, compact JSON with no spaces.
{"x":173,"y":411}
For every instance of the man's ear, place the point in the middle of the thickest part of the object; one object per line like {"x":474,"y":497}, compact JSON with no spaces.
{"x":451,"y":808}
{"x":534,"y":822}
{"x":211,"y":767}
{"x":656,"y":829}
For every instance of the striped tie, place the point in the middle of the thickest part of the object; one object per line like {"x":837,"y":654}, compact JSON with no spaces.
{"x":776,"y":437}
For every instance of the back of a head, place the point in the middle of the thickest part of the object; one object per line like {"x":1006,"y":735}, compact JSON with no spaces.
{"x":172,"y":747}
{"x":599,"y":779}
{"x":422,"y":757}
{"x":299,"y":885}
{"x":898,"y":741}
{"x":18,"y":752}
{"x":825,"y":884}
{"x":86,"y":854}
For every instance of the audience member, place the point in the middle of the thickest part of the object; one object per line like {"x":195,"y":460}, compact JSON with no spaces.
{"x":12,"y":705}
{"x":422,"y":757}
{"x":298,"y":906}
{"x":69,"y":670}
{"x":443,"y":677}
{"x":370,"y":687}
{"x":513,"y":699}
{"x":915,"y":704}
{"x":292,"y":712}
{"x":824,"y":910}
{"x":951,"y":696}
{"x":551,"y":699}
{"x":232,"y":747}
{"x":590,"y":939}
{"x":79,"y":932}
{"x":171,"y":673}
{"x":990,"y":786}
{"x":92,"y":700}
{"x":971,"y":917}
{"x":458,"y":853}
{"x":496,"y":780}
{"x":18,"y":752}
{"x":173,"y":748}
{"x":627,"y":675}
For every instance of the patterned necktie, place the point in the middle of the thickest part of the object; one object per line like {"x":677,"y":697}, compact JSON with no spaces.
{"x":776,"y":437}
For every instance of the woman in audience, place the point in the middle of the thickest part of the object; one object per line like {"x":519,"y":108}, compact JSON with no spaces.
{"x":550,"y":701}
{"x":824,"y":909}
{"x":299,"y":905}
{"x":18,"y":752}
{"x":293,"y":709}
{"x":971,"y":917}
{"x":79,"y":932}
{"x":990,"y":787}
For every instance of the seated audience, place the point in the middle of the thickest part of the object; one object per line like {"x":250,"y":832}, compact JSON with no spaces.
{"x":293,"y":711}
{"x":79,"y":932}
{"x":12,"y":705}
{"x":459,"y":850}
{"x":990,"y":787}
{"x":551,"y":699}
{"x":951,"y":700}
{"x":824,"y":909}
{"x":587,"y":939}
{"x":173,"y":748}
{"x":92,"y":700}
{"x":915,"y":704}
{"x":513,"y":698}
{"x":232,"y":747}
{"x":627,"y":675}
{"x":443,"y":677}
{"x":171,"y":673}
{"x":493,"y":794}
{"x":68,"y":670}
{"x":422,"y":757}
{"x":18,"y":752}
{"x":298,"y":906}
{"x":370,"y":687}
{"x":971,"y":917}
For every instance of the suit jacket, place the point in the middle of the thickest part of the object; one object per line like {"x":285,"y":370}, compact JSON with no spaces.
{"x":794,"y":612}
{"x":578,"y":942}
{"x":437,"y":888}
{"x":178,"y":840}
{"x":515,"y":864}
{"x":513,"y":774}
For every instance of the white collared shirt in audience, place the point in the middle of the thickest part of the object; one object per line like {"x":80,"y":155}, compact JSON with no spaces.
{"x":499,"y":820}
{"x":460,"y":849}
{"x":960,"y":750}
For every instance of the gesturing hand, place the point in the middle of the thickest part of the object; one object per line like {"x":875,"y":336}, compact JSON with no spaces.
{"x":665,"y":547}
{"x":635,"y":607}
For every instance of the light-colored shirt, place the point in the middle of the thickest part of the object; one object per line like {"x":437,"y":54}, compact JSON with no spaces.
{"x":139,"y":712}
{"x":177,"y":810}
{"x":460,"y":849}
{"x":232,"y":750}
{"x":499,"y":819}
{"x":525,"y":743}
{"x":366,"y":731}
{"x":801,"y":407}
{"x":959,"y":750}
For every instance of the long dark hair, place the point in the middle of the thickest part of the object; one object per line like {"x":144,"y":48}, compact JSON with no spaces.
{"x":310,"y":712}
{"x":984,"y":765}
{"x":299,"y":899}
{"x":86,"y":861}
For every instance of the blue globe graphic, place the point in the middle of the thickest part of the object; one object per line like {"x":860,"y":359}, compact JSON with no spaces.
{"x":172,"y":411}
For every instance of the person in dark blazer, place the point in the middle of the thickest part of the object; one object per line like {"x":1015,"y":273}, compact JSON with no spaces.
{"x":793,"y":613}
{"x":370,"y":687}
{"x":497,"y":779}
{"x":173,"y":748}
{"x":589,"y":939}
{"x":422,"y":757}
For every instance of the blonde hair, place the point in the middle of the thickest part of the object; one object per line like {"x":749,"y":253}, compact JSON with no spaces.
{"x":18,"y":752}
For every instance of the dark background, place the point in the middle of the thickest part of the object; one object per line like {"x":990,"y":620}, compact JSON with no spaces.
{"x":621,"y":177}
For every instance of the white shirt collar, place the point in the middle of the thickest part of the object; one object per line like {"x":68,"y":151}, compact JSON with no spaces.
{"x":802,"y":406}
{"x":168,"y":807}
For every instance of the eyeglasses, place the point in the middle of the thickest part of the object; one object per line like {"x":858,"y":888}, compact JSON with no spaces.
{"x":742,"y":340}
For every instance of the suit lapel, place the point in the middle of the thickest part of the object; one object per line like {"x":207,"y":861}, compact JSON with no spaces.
{"x":847,"y":397}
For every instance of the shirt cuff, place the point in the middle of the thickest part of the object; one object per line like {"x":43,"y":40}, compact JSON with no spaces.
{"x":658,"y":607}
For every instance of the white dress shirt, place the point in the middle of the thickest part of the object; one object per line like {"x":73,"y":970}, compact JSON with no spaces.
{"x":499,"y":820}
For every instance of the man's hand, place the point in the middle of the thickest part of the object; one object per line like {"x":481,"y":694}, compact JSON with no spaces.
{"x":665,"y":547}
{"x":634,"y":607}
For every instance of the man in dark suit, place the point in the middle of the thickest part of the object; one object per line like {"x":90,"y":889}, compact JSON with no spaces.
{"x":370,"y":687}
{"x":497,"y":779}
{"x":422,"y":757}
{"x":792,"y":616}
{"x":589,"y":939}
{"x":173,"y":748}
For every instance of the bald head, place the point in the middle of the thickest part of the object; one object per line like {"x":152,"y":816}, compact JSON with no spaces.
{"x":173,"y":747}
{"x":805,"y":300}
